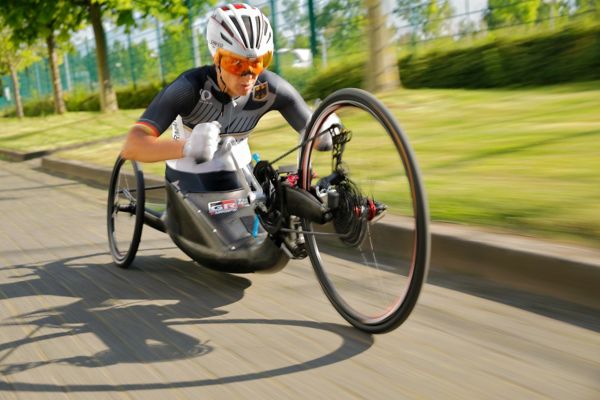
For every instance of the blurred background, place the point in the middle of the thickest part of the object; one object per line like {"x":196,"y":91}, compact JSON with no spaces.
{"x":436,"y":43}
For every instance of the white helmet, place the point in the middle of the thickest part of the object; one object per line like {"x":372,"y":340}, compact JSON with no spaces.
{"x":240,"y":29}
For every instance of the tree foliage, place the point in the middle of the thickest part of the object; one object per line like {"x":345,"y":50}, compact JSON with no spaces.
{"x":128,"y":13}
{"x":13,"y":58}
{"x":342,"y":23}
{"x":501,"y":13}
{"x":438,"y":18}
{"x":550,"y":10}
{"x":296,"y":23}
{"x":133,"y":63}
{"x":50,"y":20}
{"x":176,"y":53}
{"x":32,"y":20}
{"x":429,"y":19}
{"x":14,"y":55}
{"x":588,"y":5}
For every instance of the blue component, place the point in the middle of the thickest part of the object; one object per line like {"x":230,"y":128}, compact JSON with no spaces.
{"x":255,"y":157}
{"x":255,"y":227}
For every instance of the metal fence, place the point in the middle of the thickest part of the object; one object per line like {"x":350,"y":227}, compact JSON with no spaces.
{"x":154,"y":52}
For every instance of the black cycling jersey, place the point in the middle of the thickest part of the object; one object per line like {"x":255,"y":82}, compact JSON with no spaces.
{"x":196,"y":97}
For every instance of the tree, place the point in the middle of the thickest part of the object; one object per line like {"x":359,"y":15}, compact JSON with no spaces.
{"x":126,"y":13}
{"x":61,"y":17}
{"x":176,"y":52}
{"x":501,"y":13}
{"x":144,"y":65}
{"x":382,"y":65}
{"x":551,"y":10}
{"x":121,"y":60}
{"x":427,"y":19}
{"x":296,"y":22}
{"x":50,"y":20}
{"x":13,"y":58}
{"x":438,"y":18}
{"x":589,"y":7}
{"x":343,"y":25}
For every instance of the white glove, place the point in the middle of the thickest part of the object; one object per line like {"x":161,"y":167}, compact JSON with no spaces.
{"x":325,"y":141}
{"x":203,"y":142}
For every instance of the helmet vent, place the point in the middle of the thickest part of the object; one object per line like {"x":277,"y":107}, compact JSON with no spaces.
{"x":227,"y":30}
{"x":227,"y":40}
{"x":258,"y":31}
{"x":249,"y":29}
{"x":240,"y":31}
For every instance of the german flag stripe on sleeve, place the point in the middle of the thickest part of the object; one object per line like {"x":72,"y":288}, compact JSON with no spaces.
{"x":148,"y":128}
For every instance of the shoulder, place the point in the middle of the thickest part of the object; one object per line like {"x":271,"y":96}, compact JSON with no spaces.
{"x":276,"y":83}
{"x":281,"y":89}
{"x":191,"y":80}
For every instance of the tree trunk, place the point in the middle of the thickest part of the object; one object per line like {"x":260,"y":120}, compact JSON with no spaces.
{"x":15,"y":81}
{"x":382,"y":67}
{"x":108,"y":97}
{"x":59,"y":102}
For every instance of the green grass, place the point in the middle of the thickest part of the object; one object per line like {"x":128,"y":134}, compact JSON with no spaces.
{"x":54,"y":131}
{"x":523,"y":160}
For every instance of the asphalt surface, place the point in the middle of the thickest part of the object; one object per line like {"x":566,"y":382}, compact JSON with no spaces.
{"x":74,"y":326}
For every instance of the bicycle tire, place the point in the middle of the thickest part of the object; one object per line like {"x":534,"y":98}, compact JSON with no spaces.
{"x":330,"y":268}
{"x":124,"y":240}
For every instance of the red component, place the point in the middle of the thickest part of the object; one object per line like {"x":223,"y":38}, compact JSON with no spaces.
{"x":357,"y":211}
{"x":372,"y":209}
{"x":292,"y":179}
{"x":237,"y":6}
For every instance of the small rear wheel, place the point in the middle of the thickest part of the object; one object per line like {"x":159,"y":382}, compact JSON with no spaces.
{"x":372,"y":258}
{"x":125,"y":211}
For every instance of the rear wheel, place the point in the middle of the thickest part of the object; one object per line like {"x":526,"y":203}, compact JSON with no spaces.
{"x":372,"y":259}
{"x":125,"y":211}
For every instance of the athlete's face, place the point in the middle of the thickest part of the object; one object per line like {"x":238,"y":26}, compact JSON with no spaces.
{"x":237,"y":85}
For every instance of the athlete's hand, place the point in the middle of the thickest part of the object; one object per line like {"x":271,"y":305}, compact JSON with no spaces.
{"x":325,"y":141}
{"x":203,"y":142}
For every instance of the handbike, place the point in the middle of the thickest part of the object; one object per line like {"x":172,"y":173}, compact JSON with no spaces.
{"x":359,"y":212}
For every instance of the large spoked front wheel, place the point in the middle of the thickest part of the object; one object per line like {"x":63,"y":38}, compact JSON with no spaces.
{"x":372,"y":259}
{"x":125,"y":211}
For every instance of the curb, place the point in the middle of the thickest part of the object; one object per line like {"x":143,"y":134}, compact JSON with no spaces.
{"x":568,"y":273}
{"x":18,"y":156}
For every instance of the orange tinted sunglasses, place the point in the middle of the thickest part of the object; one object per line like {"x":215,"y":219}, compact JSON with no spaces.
{"x":239,"y":65}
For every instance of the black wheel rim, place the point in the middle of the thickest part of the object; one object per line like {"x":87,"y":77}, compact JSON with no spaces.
{"x":125,"y":211}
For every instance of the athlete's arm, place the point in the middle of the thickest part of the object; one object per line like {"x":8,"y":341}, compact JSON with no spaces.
{"x":142,"y":143}
{"x":297,"y":113}
{"x":290,"y":104}
{"x":145,"y":147}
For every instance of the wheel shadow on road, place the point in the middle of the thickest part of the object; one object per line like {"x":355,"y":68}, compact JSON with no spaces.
{"x":135,"y":314}
{"x":572,"y":313}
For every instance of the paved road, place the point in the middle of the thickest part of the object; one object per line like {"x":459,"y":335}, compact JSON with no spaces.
{"x":74,"y":326}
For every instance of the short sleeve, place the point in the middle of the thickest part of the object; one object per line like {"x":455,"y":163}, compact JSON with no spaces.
{"x":176,"y":99}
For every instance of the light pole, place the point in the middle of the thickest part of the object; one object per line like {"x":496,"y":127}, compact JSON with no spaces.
{"x":313,"y":30}
{"x":274,"y":27}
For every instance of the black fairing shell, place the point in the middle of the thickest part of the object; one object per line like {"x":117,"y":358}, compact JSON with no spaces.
{"x":220,"y":241}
